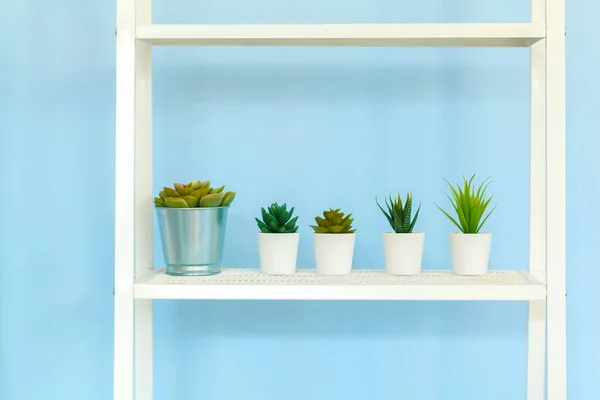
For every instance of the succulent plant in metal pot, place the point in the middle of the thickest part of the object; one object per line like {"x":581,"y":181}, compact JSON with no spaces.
{"x":192,"y":218}
{"x":192,"y":195}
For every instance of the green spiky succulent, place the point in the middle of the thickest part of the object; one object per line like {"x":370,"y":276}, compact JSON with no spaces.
{"x":194,"y":194}
{"x":335,"y":221}
{"x":277,"y":219}
{"x":398,"y":214}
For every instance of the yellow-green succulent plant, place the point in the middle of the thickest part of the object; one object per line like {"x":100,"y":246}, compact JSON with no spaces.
{"x":194,"y":194}
{"x":335,"y":221}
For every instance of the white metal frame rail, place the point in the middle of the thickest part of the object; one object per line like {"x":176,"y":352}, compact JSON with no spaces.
{"x":137,"y":284}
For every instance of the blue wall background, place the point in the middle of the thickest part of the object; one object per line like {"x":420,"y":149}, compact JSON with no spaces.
{"x":315,"y":127}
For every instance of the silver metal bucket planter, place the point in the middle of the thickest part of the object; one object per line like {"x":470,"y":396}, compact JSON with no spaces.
{"x":192,"y":239}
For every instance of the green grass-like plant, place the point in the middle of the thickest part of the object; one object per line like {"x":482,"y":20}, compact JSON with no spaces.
{"x":398,"y":214}
{"x":277,"y":219}
{"x":194,"y":194}
{"x":335,"y":221}
{"x":469,"y":204}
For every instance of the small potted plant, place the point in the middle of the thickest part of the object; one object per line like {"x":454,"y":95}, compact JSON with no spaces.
{"x":403,"y":248}
{"x":278,"y":240}
{"x":192,"y":220}
{"x":470,"y":247}
{"x":334,"y":242}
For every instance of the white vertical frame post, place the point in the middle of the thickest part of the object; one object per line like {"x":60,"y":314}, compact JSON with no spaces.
{"x":556,"y":199}
{"x":133,"y":192}
{"x":124,"y":202}
{"x":143,"y":204}
{"x":536,"y":349}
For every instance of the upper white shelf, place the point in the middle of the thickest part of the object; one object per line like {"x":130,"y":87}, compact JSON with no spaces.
{"x":249,"y":284}
{"x":431,"y":35}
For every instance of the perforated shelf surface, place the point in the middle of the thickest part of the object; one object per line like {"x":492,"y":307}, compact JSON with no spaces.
{"x":359,"y":285}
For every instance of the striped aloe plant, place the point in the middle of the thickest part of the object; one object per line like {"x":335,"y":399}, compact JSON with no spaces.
{"x":398,"y":214}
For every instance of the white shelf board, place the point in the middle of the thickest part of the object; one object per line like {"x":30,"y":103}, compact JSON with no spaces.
{"x":434,"y":34}
{"x":250,"y":284}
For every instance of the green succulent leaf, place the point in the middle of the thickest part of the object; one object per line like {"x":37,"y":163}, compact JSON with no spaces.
{"x":289,"y":213}
{"x":219,"y":189}
{"x":191,"y":201}
{"x":176,"y":203}
{"x":270,"y":219}
{"x":158,"y":202}
{"x":291,"y":224}
{"x":405,"y":215}
{"x":387,"y":214}
{"x":199,"y":193}
{"x":322,"y":222}
{"x":283,"y":217}
{"x":196,"y":185}
{"x":211,"y":200}
{"x":261,"y":225}
{"x":171,"y":192}
{"x":162,"y":194}
{"x":264,"y":212}
{"x":185,"y":191}
{"x":320,"y":229}
{"x":228,"y":198}
{"x":412,"y":224}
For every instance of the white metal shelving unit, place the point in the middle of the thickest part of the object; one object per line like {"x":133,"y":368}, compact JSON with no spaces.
{"x":543,"y":284}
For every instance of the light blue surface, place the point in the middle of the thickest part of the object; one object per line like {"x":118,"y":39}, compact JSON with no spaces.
{"x":314,"y":127}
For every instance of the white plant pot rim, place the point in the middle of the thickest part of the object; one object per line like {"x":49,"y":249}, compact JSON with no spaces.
{"x":403,"y":233}
{"x":334,"y":234}
{"x":276,"y":234}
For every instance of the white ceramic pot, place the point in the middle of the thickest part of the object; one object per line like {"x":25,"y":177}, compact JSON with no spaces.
{"x":470,"y":252}
{"x":278,"y":252}
{"x":403,"y":252}
{"x":334,"y":252}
